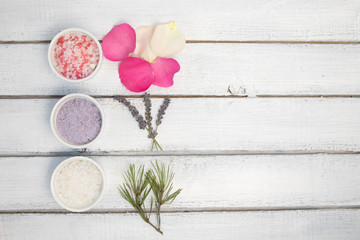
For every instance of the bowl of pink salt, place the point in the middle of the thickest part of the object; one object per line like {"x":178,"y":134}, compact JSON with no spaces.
{"x":78,"y":184}
{"x":75,"y":55}
{"x":77,"y":120}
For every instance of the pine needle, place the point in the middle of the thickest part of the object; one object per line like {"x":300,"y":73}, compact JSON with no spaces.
{"x":160,"y":180}
{"x":138,"y":185}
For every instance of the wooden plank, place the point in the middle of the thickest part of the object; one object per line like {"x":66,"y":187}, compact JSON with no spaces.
{"x":208,"y":182}
{"x":279,"y":225}
{"x":234,"y":20}
{"x":224,"y":124}
{"x":207,"y":69}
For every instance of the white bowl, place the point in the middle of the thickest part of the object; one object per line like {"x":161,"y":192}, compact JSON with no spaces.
{"x":56,"y":173}
{"x":55,"y":112}
{"x":50,"y":54}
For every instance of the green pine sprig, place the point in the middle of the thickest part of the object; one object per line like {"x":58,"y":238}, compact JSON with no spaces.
{"x":138,"y":184}
{"x":136,"y":189}
{"x":160,"y":180}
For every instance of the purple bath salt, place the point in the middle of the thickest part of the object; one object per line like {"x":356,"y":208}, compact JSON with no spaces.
{"x":78,"y":121}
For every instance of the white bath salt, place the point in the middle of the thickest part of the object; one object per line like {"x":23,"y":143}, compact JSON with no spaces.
{"x":78,"y":184}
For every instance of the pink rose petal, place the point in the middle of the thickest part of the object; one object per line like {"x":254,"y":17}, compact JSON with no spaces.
{"x":119,"y":42}
{"x":164,"y":70}
{"x":136,"y":74}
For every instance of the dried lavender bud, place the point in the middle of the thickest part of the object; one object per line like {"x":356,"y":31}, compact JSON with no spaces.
{"x":134,"y":112}
{"x":162,"y":110}
{"x":142,"y":123}
{"x":147,"y":103}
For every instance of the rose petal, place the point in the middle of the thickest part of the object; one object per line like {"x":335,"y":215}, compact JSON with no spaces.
{"x":136,"y":74}
{"x":119,"y":42}
{"x":167,"y":40}
{"x":143,"y":48}
{"x":164,"y":70}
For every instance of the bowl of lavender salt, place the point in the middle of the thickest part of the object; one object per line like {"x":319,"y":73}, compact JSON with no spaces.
{"x":77,"y":120}
{"x":75,"y":55}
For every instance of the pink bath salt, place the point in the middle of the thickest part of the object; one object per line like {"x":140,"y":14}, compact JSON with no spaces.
{"x":76,"y":55}
{"x":78,"y":121}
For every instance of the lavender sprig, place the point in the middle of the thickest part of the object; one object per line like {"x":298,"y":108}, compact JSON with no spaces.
{"x":140,"y":119}
{"x":162,"y":110}
{"x":134,"y":112}
{"x":160,"y":116}
{"x":148,"y":117}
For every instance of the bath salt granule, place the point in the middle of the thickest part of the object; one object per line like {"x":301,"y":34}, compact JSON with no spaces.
{"x":75,"y":55}
{"x":78,"y":184}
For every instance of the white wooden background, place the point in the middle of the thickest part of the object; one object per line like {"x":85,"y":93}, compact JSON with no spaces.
{"x":263,"y":130}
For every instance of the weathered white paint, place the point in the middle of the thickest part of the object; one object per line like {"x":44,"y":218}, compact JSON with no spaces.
{"x":206,"y":69}
{"x":198,"y":125}
{"x":208,"y":182}
{"x":263,"y":20}
{"x":274,"y":225}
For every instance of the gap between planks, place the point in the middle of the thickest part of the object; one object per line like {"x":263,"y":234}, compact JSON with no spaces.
{"x":187,"y":96}
{"x":200,"y":210}
{"x":214,"y":41}
{"x":85,"y":152}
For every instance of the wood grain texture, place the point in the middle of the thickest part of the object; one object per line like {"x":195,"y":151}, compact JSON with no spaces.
{"x":224,"y":124}
{"x":207,"y":69}
{"x":279,"y":225}
{"x":264,"y":20}
{"x":208,"y":182}
{"x":225,"y":192}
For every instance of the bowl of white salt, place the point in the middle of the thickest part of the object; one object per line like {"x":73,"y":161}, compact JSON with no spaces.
{"x":78,"y":184}
{"x":77,"y":120}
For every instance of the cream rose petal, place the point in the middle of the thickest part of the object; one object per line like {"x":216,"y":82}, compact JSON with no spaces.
{"x":143,"y":39}
{"x":167,"y":40}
